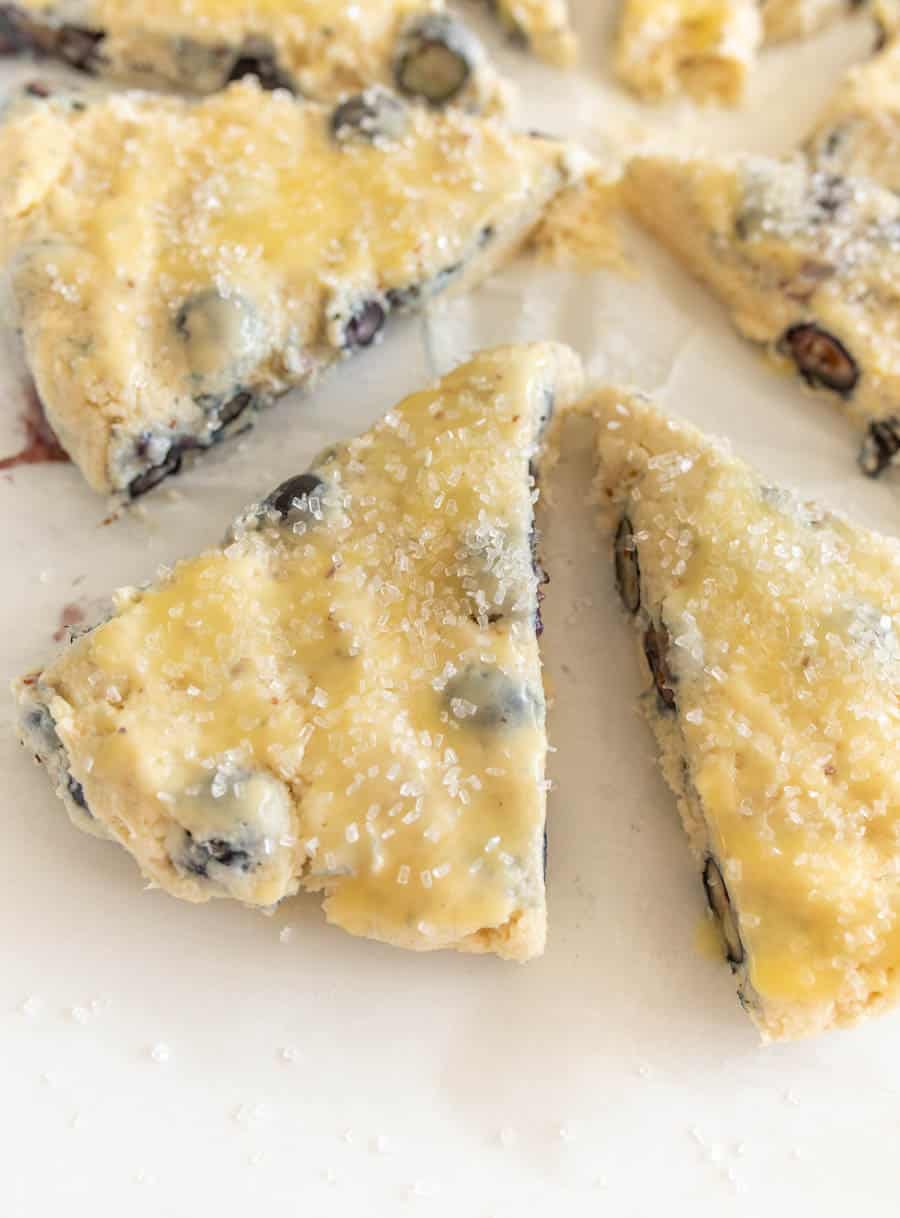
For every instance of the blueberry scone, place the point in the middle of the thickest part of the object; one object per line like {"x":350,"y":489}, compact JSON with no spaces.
{"x":704,"y":48}
{"x":345,"y":697}
{"x":859,"y":133}
{"x":807,"y":263}
{"x":176,"y":265}
{"x":770,"y":634}
{"x":542,"y":25}
{"x":322,"y":49}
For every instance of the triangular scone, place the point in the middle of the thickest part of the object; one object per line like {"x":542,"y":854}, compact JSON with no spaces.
{"x":346,"y":696}
{"x":770,"y":631}
{"x":543,"y":25}
{"x":177,"y":265}
{"x":807,"y":263}
{"x":322,"y":49}
{"x":703,"y":48}
{"x":859,"y":132}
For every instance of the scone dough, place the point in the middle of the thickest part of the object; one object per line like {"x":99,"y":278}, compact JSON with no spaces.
{"x":769,"y":630}
{"x":808,"y":265}
{"x":543,"y":25}
{"x":346,"y":696}
{"x":859,"y":133}
{"x":323,"y":49}
{"x":704,"y":48}
{"x":178,"y":264}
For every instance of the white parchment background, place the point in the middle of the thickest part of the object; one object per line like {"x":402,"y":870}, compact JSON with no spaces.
{"x":617,"y":1076}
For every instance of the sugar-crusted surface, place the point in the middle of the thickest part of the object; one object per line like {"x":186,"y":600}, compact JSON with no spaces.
{"x":169,"y":256}
{"x":782,"y":245}
{"x":704,"y":48}
{"x":782,"y":623}
{"x":347,"y":699}
{"x":545,"y":26}
{"x":324,"y":48}
{"x":859,"y":132}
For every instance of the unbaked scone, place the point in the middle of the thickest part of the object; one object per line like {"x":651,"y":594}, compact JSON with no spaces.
{"x":345,"y":697}
{"x":784,"y":20}
{"x":770,"y":634}
{"x":323,"y":49}
{"x":543,"y":25}
{"x":807,"y":263}
{"x":176,"y":265}
{"x":859,"y":132}
{"x":704,"y":48}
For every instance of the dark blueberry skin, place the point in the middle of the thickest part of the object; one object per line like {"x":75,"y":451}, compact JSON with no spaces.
{"x":545,"y":855}
{"x":196,"y":857}
{"x":157,"y":473}
{"x":291,"y":499}
{"x":656,"y":649}
{"x":881,"y":446}
{"x":42,"y":723}
{"x":224,"y":416}
{"x":628,"y":570}
{"x":720,"y":903}
{"x":80,"y":47}
{"x":500,"y":701}
{"x":369,"y":117}
{"x":264,"y":66}
{"x":822,"y":360}
{"x":435,"y":59}
{"x":76,"y":793}
{"x":365,"y":325}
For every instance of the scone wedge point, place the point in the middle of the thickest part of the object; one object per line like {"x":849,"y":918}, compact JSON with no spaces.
{"x":322,"y":49}
{"x":769,"y":632}
{"x":344,"y":697}
{"x":859,"y":132}
{"x":807,"y":263}
{"x":542,"y":25}
{"x":176,"y":265}
{"x":702,"y":48}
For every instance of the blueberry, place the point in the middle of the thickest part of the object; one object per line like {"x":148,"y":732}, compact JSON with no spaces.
{"x":628,"y":570}
{"x":720,"y":903}
{"x":656,"y":649}
{"x":196,"y":856}
{"x":822,"y":360}
{"x":297,"y":499}
{"x":487,"y":697}
{"x":364,"y":325}
{"x":435,"y":58}
{"x":76,"y":792}
{"x":40,"y":723}
{"x":881,"y":445}
{"x":152,"y":477}
{"x":262,"y":63}
{"x":231,"y":411}
{"x":371,"y":117}
{"x":80,"y":47}
{"x":224,"y":339}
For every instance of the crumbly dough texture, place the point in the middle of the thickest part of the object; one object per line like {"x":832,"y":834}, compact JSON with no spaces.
{"x":784,"y":20}
{"x":323,"y":49}
{"x":808,"y":264}
{"x":859,"y":133}
{"x":176,"y":265}
{"x":773,"y":627}
{"x":544,"y":25}
{"x":704,"y":48}
{"x":346,"y":696}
